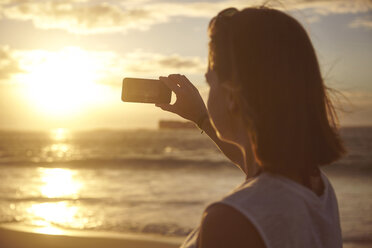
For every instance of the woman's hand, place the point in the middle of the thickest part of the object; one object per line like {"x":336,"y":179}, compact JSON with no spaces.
{"x":189,"y":103}
{"x":190,"y":106}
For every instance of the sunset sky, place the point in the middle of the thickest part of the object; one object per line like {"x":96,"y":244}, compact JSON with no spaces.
{"x":62,"y":62}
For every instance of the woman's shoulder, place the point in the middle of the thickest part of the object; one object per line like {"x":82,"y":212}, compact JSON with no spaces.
{"x":224,"y":226}
{"x":269,"y":187}
{"x":241,"y":217}
{"x":269,"y":194}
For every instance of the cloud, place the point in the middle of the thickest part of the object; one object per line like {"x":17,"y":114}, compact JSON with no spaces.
{"x":356,"y":108}
{"x":87,"y":17}
{"x":106,"y":67}
{"x":141,"y":62}
{"x":356,"y":98}
{"x":150,"y":65}
{"x":312,"y":11}
{"x":8,"y":63}
{"x":362,"y":22}
{"x":334,"y":7}
{"x":82,"y":18}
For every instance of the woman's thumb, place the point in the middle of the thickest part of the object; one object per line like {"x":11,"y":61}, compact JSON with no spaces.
{"x":166,"y":107}
{"x":160,"y":105}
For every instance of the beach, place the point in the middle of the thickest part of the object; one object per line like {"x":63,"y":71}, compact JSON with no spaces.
{"x":141,"y":188}
{"x":12,"y":236}
{"x":26,"y":237}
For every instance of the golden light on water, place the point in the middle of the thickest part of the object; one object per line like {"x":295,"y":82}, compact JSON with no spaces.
{"x":59,"y":183}
{"x":56,"y":183}
{"x":53,"y":213}
{"x":60,"y":134}
{"x":61,"y":148}
{"x":49,"y":230}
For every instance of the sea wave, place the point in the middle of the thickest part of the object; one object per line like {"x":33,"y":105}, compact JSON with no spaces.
{"x":360,"y":240}
{"x":164,"y":229}
{"x":132,"y":162}
{"x":105,"y":201}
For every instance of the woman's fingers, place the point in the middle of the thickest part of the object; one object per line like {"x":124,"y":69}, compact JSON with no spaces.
{"x":187,"y":82}
{"x":182,"y":81}
{"x":171,"y":84}
{"x":189,"y":103}
{"x":166,"y":107}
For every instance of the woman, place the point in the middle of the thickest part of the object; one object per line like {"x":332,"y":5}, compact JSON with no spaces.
{"x":268,"y":111}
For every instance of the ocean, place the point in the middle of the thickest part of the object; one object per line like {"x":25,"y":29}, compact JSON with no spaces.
{"x":149,"y":181}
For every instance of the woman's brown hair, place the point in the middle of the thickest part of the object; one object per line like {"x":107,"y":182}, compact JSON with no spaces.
{"x":268,"y":56}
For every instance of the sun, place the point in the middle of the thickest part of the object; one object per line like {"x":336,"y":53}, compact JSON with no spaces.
{"x":64,"y":82}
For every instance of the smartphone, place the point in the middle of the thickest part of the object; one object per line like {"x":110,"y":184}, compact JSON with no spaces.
{"x":145,"y":91}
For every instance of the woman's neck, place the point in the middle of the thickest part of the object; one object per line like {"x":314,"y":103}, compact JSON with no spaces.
{"x":251,"y":168}
{"x":315,"y":182}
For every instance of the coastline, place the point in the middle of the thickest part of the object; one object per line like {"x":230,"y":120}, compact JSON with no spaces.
{"x":18,"y":236}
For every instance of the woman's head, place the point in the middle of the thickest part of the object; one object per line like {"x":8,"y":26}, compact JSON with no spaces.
{"x":269,"y":76}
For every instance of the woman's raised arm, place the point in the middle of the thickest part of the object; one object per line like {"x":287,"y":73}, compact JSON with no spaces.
{"x":191,"y":106}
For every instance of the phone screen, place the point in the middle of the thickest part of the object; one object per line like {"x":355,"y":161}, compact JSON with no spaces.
{"x":145,"y":91}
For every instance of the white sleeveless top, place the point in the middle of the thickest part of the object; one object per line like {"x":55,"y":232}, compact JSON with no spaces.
{"x":285,"y":213}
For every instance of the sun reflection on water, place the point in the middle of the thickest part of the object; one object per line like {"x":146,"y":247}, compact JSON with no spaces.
{"x":53,"y":212}
{"x":60,"y":134}
{"x":62,"y":185}
{"x":58,"y":182}
{"x":51,"y":230}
